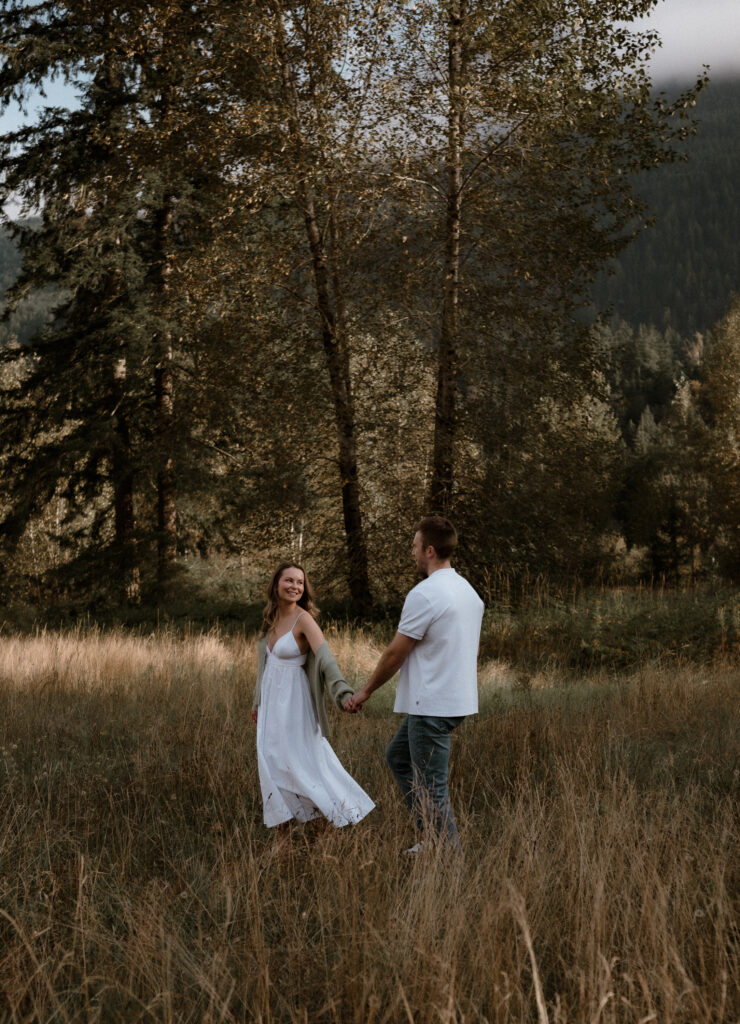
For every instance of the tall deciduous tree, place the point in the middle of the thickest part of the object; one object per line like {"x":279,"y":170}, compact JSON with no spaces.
{"x":522,"y":127}
{"x":322,"y":63}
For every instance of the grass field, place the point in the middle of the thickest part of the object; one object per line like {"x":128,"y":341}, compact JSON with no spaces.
{"x":137,"y":883}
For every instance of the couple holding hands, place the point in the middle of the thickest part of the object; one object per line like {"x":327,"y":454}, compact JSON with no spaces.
{"x":436,"y":651}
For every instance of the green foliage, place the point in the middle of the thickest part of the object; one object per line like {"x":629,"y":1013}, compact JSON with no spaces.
{"x":666,"y":497}
{"x":544,"y":481}
{"x":85,"y":418}
{"x":254,"y":321}
{"x":719,"y":401}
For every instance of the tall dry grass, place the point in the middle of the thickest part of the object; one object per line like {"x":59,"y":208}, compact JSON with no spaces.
{"x":137,"y":882}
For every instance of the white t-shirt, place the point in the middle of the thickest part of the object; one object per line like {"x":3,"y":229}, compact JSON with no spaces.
{"x":440,"y":675}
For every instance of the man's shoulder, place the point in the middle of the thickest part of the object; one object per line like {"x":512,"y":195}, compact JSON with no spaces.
{"x":446,"y":579}
{"x":444,"y":586}
{"x":458,"y":589}
{"x":420,"y":590}
{"x":436,"y":590}
{"x":468,"y":587}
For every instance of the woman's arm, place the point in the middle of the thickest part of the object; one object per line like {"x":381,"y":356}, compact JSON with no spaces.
{"x":337,"y":687}
{"x":309,"y":628}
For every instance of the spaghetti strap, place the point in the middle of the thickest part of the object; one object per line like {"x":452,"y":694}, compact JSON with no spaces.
{"x":296,"y":620}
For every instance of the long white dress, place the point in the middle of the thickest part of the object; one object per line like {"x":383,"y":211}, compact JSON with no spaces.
{"x":300,"y":775}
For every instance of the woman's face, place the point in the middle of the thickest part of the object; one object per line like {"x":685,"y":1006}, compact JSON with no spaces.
{"x":290,"y":585}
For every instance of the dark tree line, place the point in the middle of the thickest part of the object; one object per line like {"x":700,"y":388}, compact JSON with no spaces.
{"x":278,"y":320}
{"x":681,"y":273}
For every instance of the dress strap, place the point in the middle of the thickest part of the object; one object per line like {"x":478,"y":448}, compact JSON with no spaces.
{"x":296,"y":620}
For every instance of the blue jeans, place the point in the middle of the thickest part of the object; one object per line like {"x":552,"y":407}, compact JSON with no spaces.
{"x":419,"y":757}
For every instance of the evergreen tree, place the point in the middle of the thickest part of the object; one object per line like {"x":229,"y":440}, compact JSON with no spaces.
{"x":641,"y":368}
{"x":540,"y":482}
{"x":666,"y":494}
{"x":720,"y":403}
{"x":122,"y":186}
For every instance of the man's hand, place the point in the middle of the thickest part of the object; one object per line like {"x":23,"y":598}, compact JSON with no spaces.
{"x":358,"y":699}
{"x":389,"y":663}
{"x":254,"y":718}
{"x":349,"y":704}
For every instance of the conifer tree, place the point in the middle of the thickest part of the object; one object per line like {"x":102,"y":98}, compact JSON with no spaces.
{"x":120,"y":185}
{"x":720,"y":403}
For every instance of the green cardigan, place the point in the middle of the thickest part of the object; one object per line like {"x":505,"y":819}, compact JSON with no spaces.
{"x":323,"y":676}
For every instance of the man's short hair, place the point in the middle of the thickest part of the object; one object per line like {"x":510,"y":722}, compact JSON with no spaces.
{"x":439,"y":533}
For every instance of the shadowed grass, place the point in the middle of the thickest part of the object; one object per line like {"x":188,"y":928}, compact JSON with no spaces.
{"x":613,"y":627}
{"x":137,"y":882}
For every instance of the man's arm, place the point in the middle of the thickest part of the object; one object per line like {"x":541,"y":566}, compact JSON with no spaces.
{"x":389,"y":663}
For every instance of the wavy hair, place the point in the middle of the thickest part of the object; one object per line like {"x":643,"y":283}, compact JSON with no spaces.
{"x":305,"y":601}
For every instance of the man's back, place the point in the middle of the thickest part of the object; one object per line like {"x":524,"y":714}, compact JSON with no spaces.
{"x":443,"y":614}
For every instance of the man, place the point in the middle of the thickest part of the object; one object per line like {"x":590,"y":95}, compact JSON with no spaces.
{"x":436,"y":649}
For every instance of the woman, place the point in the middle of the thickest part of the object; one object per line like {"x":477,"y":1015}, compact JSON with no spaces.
{"x":300,"y":775}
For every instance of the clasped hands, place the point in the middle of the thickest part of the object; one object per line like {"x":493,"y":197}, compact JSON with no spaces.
{"x":354,"y":702}
{"x":351,"y":704}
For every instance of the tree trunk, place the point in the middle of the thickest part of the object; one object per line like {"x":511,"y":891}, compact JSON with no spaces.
{"x":166,"y":503}
{"x":445,"y":413}
{"x":123,"y":496}
{"x":675,"y":561}
{"x":129,"y":581}
{"x":164,"y":393}
{"x":166,"y":482}
{"x":334,"y":340}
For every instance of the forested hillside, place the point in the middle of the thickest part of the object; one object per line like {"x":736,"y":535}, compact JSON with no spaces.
{"x":682,"y":271}
{"x":29,"y":316}
{"x":10,"y":261}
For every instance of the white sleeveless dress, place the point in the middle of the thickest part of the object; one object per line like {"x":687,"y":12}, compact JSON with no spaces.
{"x":300,"y":775}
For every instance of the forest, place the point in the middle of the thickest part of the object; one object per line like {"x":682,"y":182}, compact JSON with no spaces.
{"x":288,"y":278}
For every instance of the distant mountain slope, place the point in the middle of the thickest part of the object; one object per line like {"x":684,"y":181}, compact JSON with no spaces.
{"x":10,"y":262}
{"x":30,"y":317}
{"x":683,"y":271}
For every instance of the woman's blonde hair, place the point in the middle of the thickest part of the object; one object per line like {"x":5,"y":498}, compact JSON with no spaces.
{"x":305,"y":601}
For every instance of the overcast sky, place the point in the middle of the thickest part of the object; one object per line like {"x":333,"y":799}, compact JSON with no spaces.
{"x":693,"y":32}
{"x":696,"y":32}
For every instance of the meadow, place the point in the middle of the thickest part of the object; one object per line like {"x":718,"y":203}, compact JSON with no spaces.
{"x":598,"y":810}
